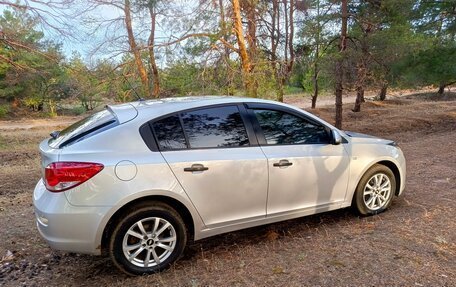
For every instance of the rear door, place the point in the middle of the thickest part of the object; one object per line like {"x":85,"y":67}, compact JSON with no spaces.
{"x":306,"y":171}
{"x":215,"y":156}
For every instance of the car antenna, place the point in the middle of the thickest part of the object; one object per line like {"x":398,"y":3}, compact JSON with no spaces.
{"x":134,"y":90}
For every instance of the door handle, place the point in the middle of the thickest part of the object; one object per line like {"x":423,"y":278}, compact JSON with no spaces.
{"x":196,"y":167}
{"x":281,"y":163}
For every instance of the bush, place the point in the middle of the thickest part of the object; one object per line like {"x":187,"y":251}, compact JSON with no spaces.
{"x":79,"y":110}
{"x":34,"y":103}
{"x":4,"y":110}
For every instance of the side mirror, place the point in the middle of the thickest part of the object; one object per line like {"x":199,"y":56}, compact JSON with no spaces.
{"x":336,"y":137}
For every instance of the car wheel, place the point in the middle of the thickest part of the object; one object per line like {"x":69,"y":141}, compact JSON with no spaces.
{"x":375,"y":190}
{"x":148,"y":239}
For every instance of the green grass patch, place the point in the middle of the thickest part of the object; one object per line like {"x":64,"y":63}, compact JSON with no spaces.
{"x":4,"y":110}
{"x":3,"y":144}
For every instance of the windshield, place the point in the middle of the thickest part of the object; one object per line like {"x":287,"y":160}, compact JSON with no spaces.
{"x":82,"y":128}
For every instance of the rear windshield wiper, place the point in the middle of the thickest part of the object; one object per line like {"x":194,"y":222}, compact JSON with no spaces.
{"x":55,"y":134}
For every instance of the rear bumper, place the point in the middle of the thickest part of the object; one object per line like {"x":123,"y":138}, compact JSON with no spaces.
{"x":64,"y":226}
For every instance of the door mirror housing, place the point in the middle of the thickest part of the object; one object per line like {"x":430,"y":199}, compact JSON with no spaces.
{"x":336,"y":138}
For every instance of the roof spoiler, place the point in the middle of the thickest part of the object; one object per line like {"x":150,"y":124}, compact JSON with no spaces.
{"x":124,"y":113}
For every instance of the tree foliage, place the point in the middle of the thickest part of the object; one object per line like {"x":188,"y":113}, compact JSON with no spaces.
{"x":257,"y":48}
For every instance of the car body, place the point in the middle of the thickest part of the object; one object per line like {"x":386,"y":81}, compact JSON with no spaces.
{"x":221,"y":163}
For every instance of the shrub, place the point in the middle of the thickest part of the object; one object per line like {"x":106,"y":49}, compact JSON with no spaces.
{"x":78,"y":110}
{"x":4,"y":110}
{"x":34,"y":103}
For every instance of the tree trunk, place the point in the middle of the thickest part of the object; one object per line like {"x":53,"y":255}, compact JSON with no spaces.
{"x":290,"y":40}
{"x":317,"y":55}
{"x":280,"y":94}
{"x":274,"y":42}
{"x":246,"y":64}
{"x":285,"y":16}
{"x":315,"y":80}
{"x":153,"y":63}
{"x":441,"y":89}
{"x":223,"y":28}
{"x":227,"y":80}
{"x":135,"y":50}
{"x":361,"y":75}
{"x":275,"y":38}
{"x":282,"y":69}
{"x":382,"y":95}
{"x":280,"y":91}
{"x":252,"y":42}
{"x":359,"y":99}
{"x":339,"y":90}
{"x":339,"y":65}
{"x":250,"y":13}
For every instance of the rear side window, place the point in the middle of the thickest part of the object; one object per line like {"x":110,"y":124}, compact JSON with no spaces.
{"x":283,"y":128}
{"x":169,"y":133}
{"x":83,"y":128}
{"x":215,"y":127}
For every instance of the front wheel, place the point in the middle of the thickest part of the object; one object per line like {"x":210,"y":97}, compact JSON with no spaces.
{"x":375,"y":190}
{"x":148,"y":239}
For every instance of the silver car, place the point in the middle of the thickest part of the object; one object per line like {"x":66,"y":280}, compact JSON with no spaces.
{"x":137,"y":181}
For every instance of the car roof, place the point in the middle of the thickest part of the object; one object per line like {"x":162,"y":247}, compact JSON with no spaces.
{"x":158,"y":107}
{"x":196,"y":101}
{"x":145,"y":110}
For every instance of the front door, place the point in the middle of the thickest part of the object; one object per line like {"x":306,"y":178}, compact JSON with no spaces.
{"x":306,"y":171}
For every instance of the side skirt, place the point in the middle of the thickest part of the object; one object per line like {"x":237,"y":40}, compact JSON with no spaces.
{"x":271,"y":218}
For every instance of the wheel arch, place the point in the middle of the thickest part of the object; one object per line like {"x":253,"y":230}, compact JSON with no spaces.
{"x":395,"y":169}
{"x":180,"y":208}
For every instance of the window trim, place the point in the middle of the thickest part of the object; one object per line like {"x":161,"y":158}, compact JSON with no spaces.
{"x":251,"y":134}
{"x":250,"y":107}
{"x":147,"y":134}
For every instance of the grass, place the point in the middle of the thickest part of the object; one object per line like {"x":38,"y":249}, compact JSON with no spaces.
{"x":4,"y":110}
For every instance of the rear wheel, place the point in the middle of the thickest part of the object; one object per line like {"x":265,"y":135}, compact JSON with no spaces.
{"x":375,"y":190}
{"x":148,"y":239}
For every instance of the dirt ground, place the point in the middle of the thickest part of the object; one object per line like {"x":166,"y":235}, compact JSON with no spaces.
{"x":412,"y":244}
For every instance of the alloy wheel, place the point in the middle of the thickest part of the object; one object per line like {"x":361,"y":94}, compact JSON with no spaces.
{"x":149,"y":242}
{"x":377,"y":191}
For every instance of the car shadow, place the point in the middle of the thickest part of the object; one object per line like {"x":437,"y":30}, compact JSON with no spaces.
{"x":101,"y":268}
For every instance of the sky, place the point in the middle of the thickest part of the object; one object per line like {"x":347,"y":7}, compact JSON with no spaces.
{"x":86,"y":26}
{"x":77,"y":32}
{"x":81,"y":39}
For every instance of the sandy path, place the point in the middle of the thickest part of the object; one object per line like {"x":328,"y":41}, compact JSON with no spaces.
{"x":25,"y":124}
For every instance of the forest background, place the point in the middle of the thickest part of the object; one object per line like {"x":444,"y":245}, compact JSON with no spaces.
{"x":130,"y":49}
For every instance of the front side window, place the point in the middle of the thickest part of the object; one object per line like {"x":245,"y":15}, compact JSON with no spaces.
{"x":215,"y":127}
{"x":283,"y":128}
{"x":169,"y":133}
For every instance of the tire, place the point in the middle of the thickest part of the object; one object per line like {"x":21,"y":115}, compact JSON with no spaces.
{"x":375,"y":190}
{"x":153,"y":235}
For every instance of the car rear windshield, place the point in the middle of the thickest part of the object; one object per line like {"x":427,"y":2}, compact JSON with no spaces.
{"x":83,"y":129}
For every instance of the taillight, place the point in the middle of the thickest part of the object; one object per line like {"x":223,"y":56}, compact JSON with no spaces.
{"x":60,"y":176}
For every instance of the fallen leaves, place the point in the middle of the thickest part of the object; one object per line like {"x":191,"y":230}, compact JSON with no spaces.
{"x":271,"y":235}
{"x":278,"y":270}
{"x":8,"y":256}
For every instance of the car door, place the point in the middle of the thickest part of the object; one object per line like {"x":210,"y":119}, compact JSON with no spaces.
{"x":306,"y":171}
{"x":222,"y":169}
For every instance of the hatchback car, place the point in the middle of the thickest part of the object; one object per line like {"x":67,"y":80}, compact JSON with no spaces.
{"x":137,"y":181}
